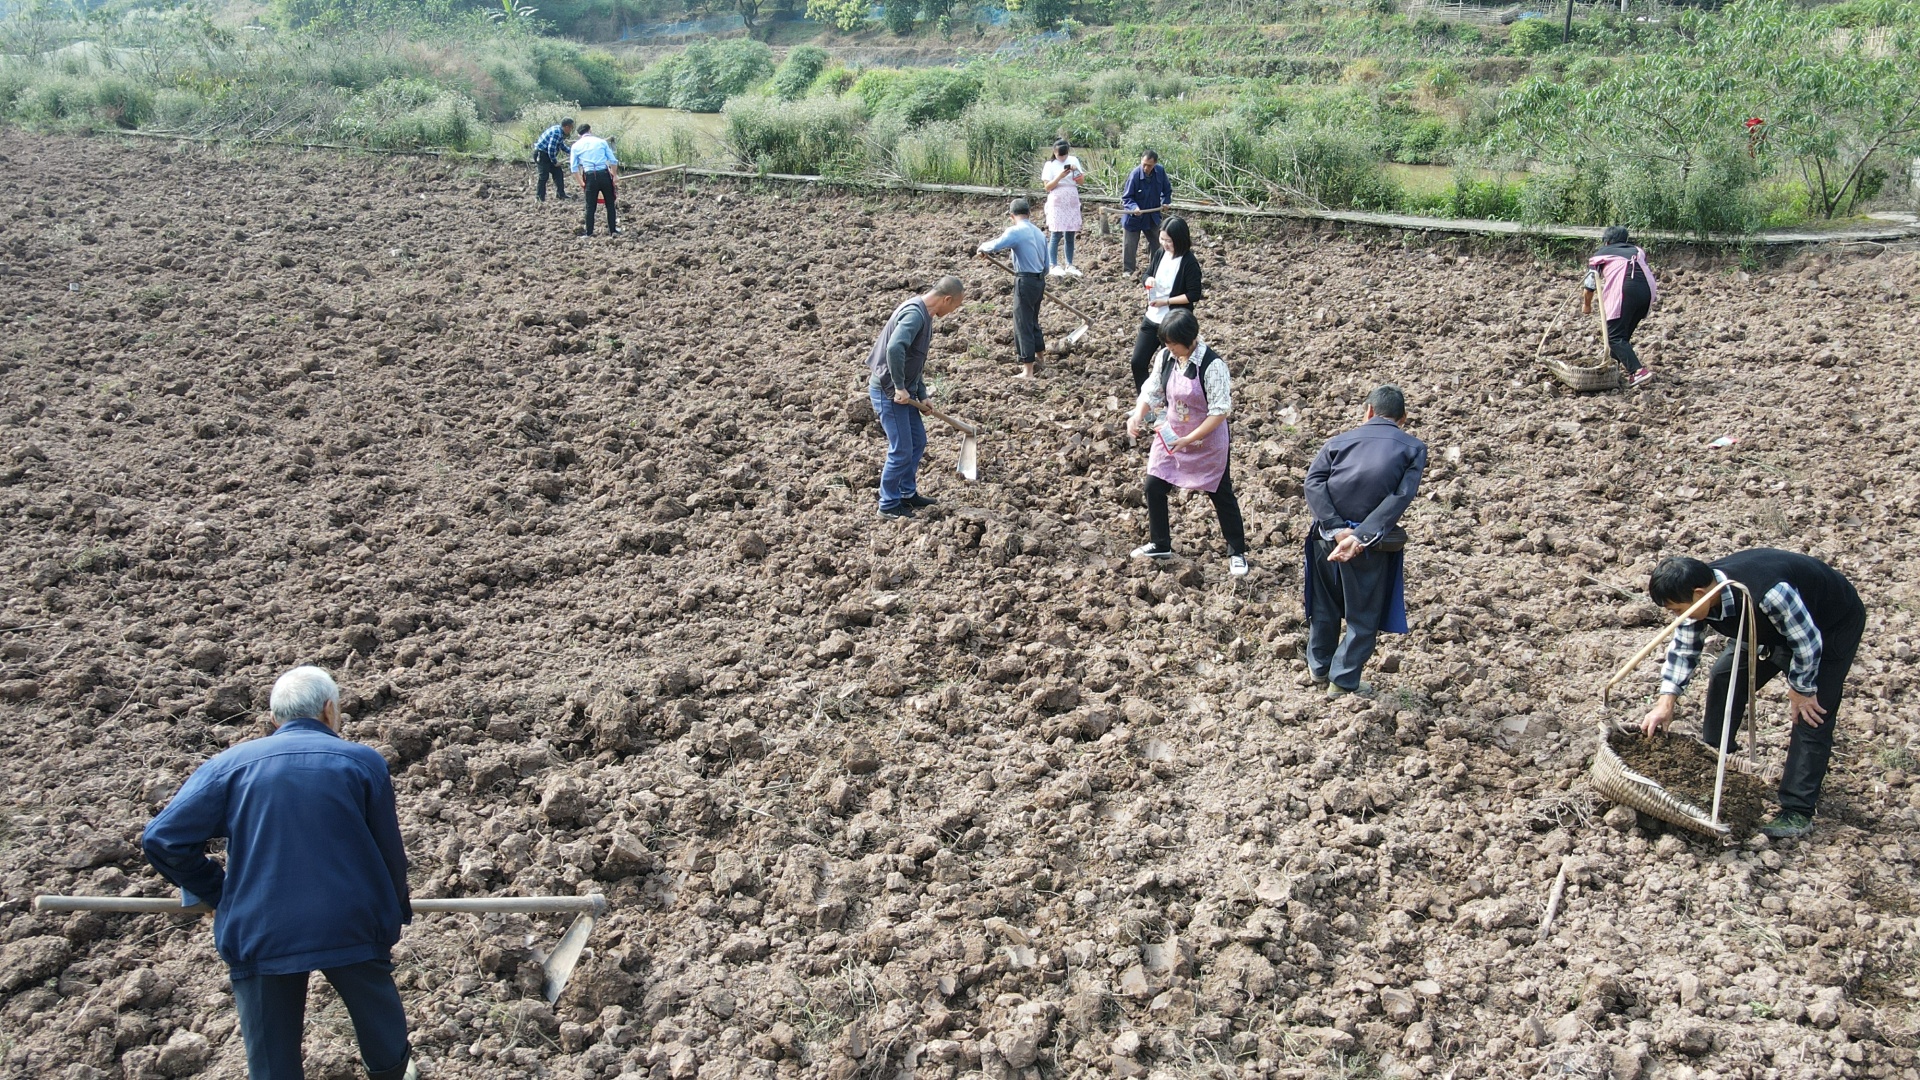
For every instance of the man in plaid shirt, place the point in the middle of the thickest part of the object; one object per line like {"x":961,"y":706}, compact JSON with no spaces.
{"x":1808,"y":623}
{"x":547,"y":154}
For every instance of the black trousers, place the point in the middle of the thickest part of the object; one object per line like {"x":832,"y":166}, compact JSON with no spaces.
{"x":1635,"y":299}
{"x":550,"y":168}
{"x":1131,"y":250}
{"x":1355,"y":592}
{"x":1146,"y":342}
{"x":597,"y":183}
{"x":1160,"y":530}
{"x":1027,"y":292}
{"x":1808,"y":748}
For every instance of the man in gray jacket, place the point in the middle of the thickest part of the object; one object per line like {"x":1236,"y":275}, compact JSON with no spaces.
{"x":1357,"y":488}
{"x":896,"y":386}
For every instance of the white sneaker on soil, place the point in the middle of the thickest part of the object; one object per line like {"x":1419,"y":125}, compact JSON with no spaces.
{"x":1237,"y":565}
{"x":1148,"y":551}
{"x":1057,"y":271}
{"x":1074,"y":271}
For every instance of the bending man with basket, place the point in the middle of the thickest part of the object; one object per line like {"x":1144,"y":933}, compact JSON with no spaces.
{"x":1357,"y":488}
{"x":1812,"y":625}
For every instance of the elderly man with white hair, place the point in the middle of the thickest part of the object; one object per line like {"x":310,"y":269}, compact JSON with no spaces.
{"x":315,"y":877}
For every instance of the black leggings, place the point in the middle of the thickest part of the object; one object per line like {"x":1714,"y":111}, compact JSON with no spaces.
{"x":1145,"y":343}
{"x":1635,"y":299}
{"x":1160,"y":531}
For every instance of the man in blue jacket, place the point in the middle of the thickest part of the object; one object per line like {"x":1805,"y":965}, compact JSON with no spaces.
{"x":315,"y":877}
{"x":1357,"y":488}
{"x":1148,"y":192}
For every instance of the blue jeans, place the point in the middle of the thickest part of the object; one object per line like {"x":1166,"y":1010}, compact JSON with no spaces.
{"x":1053,"y":254}
{"x":273,"y":1018}
{"x":906,"y":444}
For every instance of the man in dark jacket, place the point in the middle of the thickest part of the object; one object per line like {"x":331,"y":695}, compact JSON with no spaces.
{"x":315,"y":877}
{"x":1357,"y":488}
{"x":896,"y":385}
{"x":1147,"y":194}
{"x":1808,"y":622}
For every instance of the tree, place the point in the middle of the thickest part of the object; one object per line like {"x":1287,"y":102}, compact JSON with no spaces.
{"x":899,"y":14}
{"x":843,"y":15}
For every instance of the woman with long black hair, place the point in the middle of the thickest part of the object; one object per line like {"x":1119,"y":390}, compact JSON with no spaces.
{"x":1172,"y":281}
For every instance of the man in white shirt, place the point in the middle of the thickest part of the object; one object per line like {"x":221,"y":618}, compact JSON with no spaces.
{"x":593,"y":161}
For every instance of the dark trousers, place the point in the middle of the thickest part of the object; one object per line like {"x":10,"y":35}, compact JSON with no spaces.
{"x":1146,"y":342}
{"x":550,"y":168}
{"x":1808,"y":748}
{"x":1027,"y":291}
{"x":1355,"y":591}
{"x":1160,"y":530}
{"x":1635,"y":299}
{"x":600,"y":183}
{"x":273,"y":1017}
{"x":1132,"y":249}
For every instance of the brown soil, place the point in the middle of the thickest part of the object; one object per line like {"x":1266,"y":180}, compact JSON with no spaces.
{"x":587,"y":533}
{"x":1687,"y":768}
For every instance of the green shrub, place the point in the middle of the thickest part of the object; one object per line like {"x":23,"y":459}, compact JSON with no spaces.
{"x":934,"y":154}
{"x":1489,"y":199}
{"x":535,"y":117}
{"x":1003,"y":143}
{"x":568,"y":72}
{"x":1331,"y":167}
{"x":817,"y":135}
{"x":704,"y":76}
{"x":1530,"y":36}
{"x":412,"y":114}
{"x":796,"y":73}
{"x":1420,"y":140}
{"x":917,"y":97}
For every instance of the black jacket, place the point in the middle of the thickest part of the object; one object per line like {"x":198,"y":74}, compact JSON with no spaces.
{"x":1185,"y":283}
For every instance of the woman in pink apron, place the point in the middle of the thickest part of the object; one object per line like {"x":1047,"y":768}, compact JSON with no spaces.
{"x":1062,"y":175}
{"x":1190,"y":381}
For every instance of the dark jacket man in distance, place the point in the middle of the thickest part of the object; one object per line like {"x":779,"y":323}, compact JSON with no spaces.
{"x":1357,"y":488}
{"x":315,"y":877}
{"x":1808,"y":625}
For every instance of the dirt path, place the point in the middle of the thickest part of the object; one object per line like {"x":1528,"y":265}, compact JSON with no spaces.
{"x":587,"y":532}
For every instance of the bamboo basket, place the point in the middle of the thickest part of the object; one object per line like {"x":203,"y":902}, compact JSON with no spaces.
{"x":1613,"y":779}
{"x":1585,"y":380}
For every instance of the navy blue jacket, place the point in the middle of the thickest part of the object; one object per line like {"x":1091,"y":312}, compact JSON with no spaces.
{"x":1365,"y":478}
{"x":1143,"y":190}
{"x":316,"y":876}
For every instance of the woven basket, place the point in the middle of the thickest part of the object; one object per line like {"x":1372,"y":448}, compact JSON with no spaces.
{"x":1612,"y":778}
{"x":1585,"y":380}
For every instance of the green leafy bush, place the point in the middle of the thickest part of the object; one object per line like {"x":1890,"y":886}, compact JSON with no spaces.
{"x":1488,"y":199}
{"x":934,"y":154}
{"x":1003,"y":143}
{"x":1531,"y":36}
{"x":796,"y":73}
{"x":818,"y":135}
{"x":919,"y":96}
{"x":412,"y":114}
{"x":704,"y":76}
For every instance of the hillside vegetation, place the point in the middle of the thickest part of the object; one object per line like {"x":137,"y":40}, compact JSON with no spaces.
{"x":1762,"y":113}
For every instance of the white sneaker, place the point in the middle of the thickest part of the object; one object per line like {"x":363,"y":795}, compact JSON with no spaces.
{"x":1057,"y":271}
{"x":1237,"y":565}
{"x":1148,"y":551}
{"x":1074,"y":271}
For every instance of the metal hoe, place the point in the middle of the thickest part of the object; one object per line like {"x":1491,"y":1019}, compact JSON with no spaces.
{"x":1085,"y":323}
{"x":559,"y":963}
{"x":968,"y":464}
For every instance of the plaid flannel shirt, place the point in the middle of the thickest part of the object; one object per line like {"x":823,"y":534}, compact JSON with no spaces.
{"x":553,"y":143}
{"x":1782,"y":605}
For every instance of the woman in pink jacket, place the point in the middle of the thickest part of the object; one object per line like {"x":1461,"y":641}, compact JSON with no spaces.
{"x":1618,"y":271}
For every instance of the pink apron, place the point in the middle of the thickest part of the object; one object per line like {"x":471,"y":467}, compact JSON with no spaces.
{"x":1063,"y":208}
{"x":1197,"y":468}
